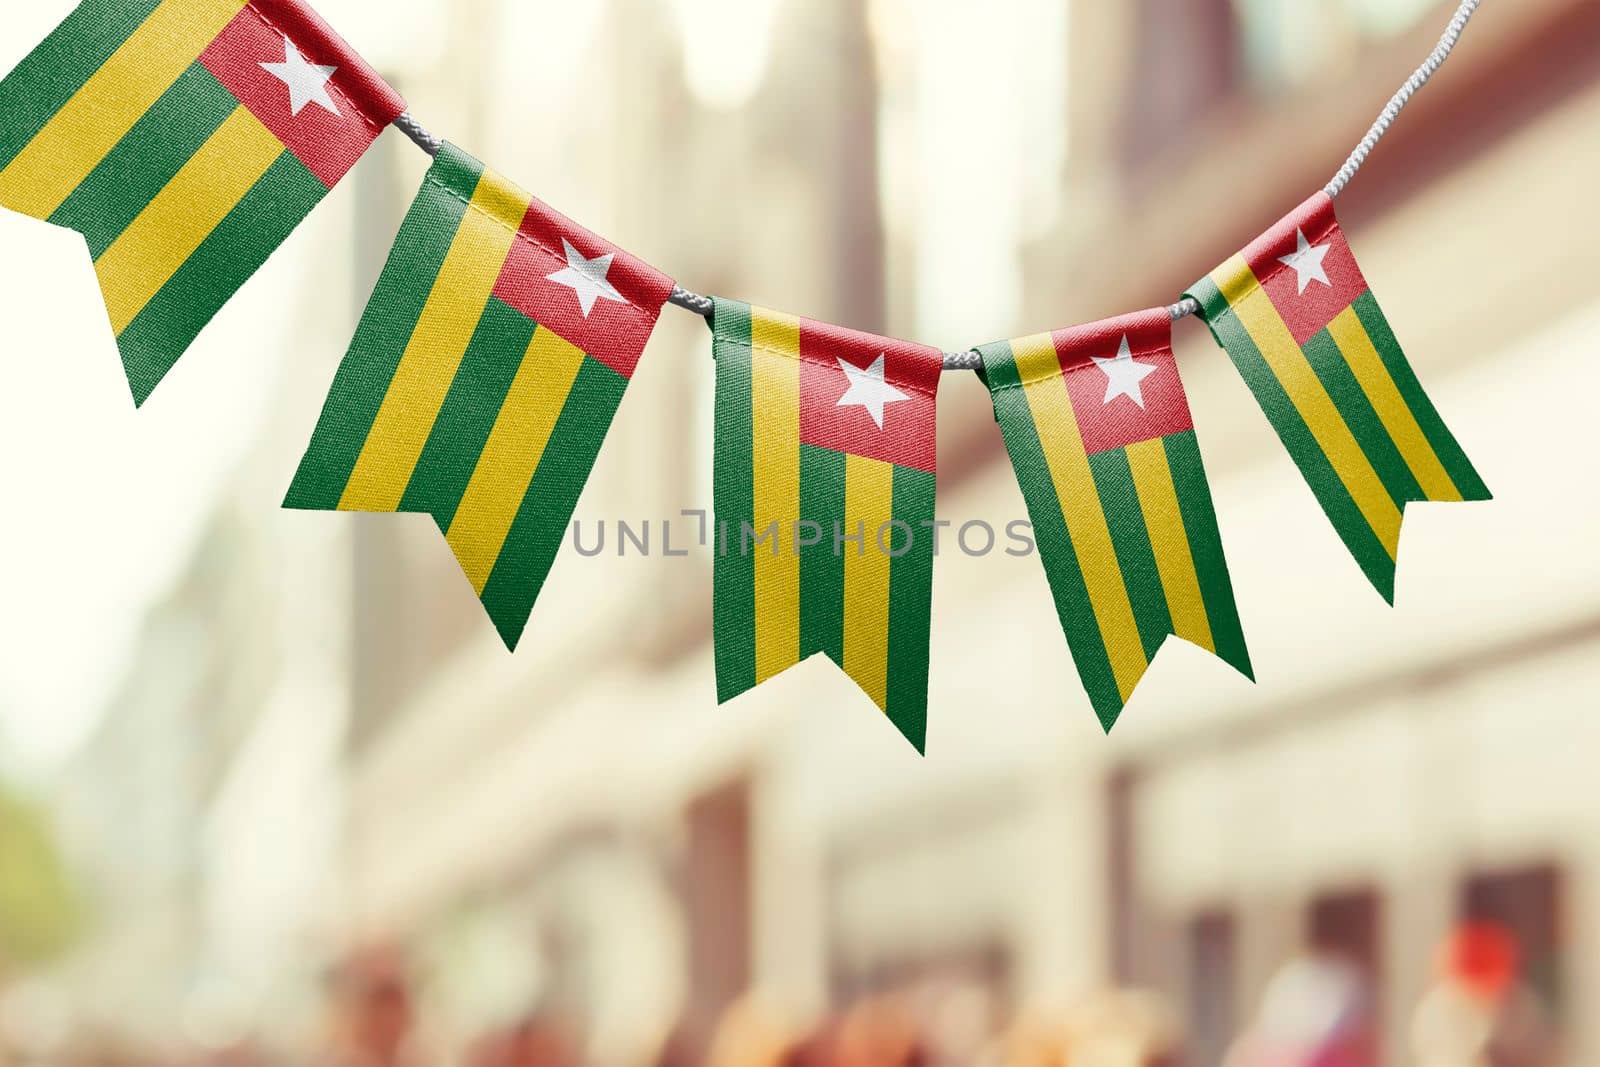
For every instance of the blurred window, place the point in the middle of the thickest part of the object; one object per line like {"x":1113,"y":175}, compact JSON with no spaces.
{"x":1212,"y":982}
{"x":985,"y":965}
{"x":1122,"y":875}
{"x":1527,"y":903}
{"x":1287,"y":42}
{"x":1387,"y":17}
{"x":1186,"y":62}
{"x":1191,"y":55}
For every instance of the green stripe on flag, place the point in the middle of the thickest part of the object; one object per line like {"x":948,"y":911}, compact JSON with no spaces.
{"x":146,"y":159}
{"x":468,"y":414}
{"x":546,"y":510}
{"x":733,"y":492}
{"x":1444,"y":443}
{"x":51,"y":74}
{"x":1205,"y":545}
{"x":1050,"y":531}
{"x":1355,"y":407}
{"x":911,"y":603}
{"x":1314,"y":464}
{"x":386,"y":326}
{"x":1213,"y":304}
{"x":1119,"y":501}
{"x":458,"y":172}
{"x":225,"y":260}
{"x":822,"y":483}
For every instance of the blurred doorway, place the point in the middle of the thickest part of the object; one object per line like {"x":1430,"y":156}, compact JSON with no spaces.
{"x":1527,"y":903}
{"x":1213,"y":981}
{"x":716,"y":897}
{"x":1348,"y":925}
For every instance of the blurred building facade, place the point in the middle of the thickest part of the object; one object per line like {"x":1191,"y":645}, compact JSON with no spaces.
{"x":580,"y":825}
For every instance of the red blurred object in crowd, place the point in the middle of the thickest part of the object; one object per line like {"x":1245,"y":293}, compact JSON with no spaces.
{"x":1483,"y":958}
{"x":374,"y":1013}
{"x":537,"y":1041}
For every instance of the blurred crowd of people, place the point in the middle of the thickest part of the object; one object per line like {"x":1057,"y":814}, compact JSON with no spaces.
{"x":1318,"y":1011}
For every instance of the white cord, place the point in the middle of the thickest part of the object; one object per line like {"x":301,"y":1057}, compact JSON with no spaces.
{"x":418,"y":133}
{"x":970,"y":360}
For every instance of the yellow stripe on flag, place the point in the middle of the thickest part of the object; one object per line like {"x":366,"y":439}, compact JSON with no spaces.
{"x":433,"y":355}
{"x":166,"y":233}
{"x":775,"y":430}
{"x":868,"y":507}
{"x":1317,"y":410}
{"x":511,"y":457}
{"x":1392,"y":409}
{"x":116,"y":96}
{"x":1163,"y":518}
{"x":1235,"y":280}
{"x":1062,"y":442}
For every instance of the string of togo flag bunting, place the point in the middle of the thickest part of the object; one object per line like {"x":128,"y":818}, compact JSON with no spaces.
{"x":970,"y":360}
{"x":185,"y":140}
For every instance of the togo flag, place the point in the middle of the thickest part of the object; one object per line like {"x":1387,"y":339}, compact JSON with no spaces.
{"x":483,"y":378}
{"x":185,"y":139}
{"x":1099,"y":431}
{"x":824,"y":494}
{"x":1298,"y":320}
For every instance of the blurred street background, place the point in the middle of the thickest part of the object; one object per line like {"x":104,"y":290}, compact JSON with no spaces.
{"x":272,"y":792}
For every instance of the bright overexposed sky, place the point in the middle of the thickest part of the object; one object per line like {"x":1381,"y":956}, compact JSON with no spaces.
{"x":102,"y":503}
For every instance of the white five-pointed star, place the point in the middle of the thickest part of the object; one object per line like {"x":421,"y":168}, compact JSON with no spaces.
{"x":1307,"y":262}
{"x":868,"y":389}
{"x":587,"y":278}
{"x":1124,"y":376}
{"x":307,"y":82}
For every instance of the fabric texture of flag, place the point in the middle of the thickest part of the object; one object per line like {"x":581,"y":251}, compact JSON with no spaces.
{"x":1298,"y":320}
{"x":824,"y":494}
{"x":185,"y":139}
{"x":482,"y":379}
{"x":1099,"y":431}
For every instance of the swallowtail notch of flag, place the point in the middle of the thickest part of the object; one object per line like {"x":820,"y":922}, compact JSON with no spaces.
{"x":824,"y":498}
{"x":1299,"y":322}
{"x":1099,"y":431}
{"x":482,"y":379}
{"x":185,"y":139}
